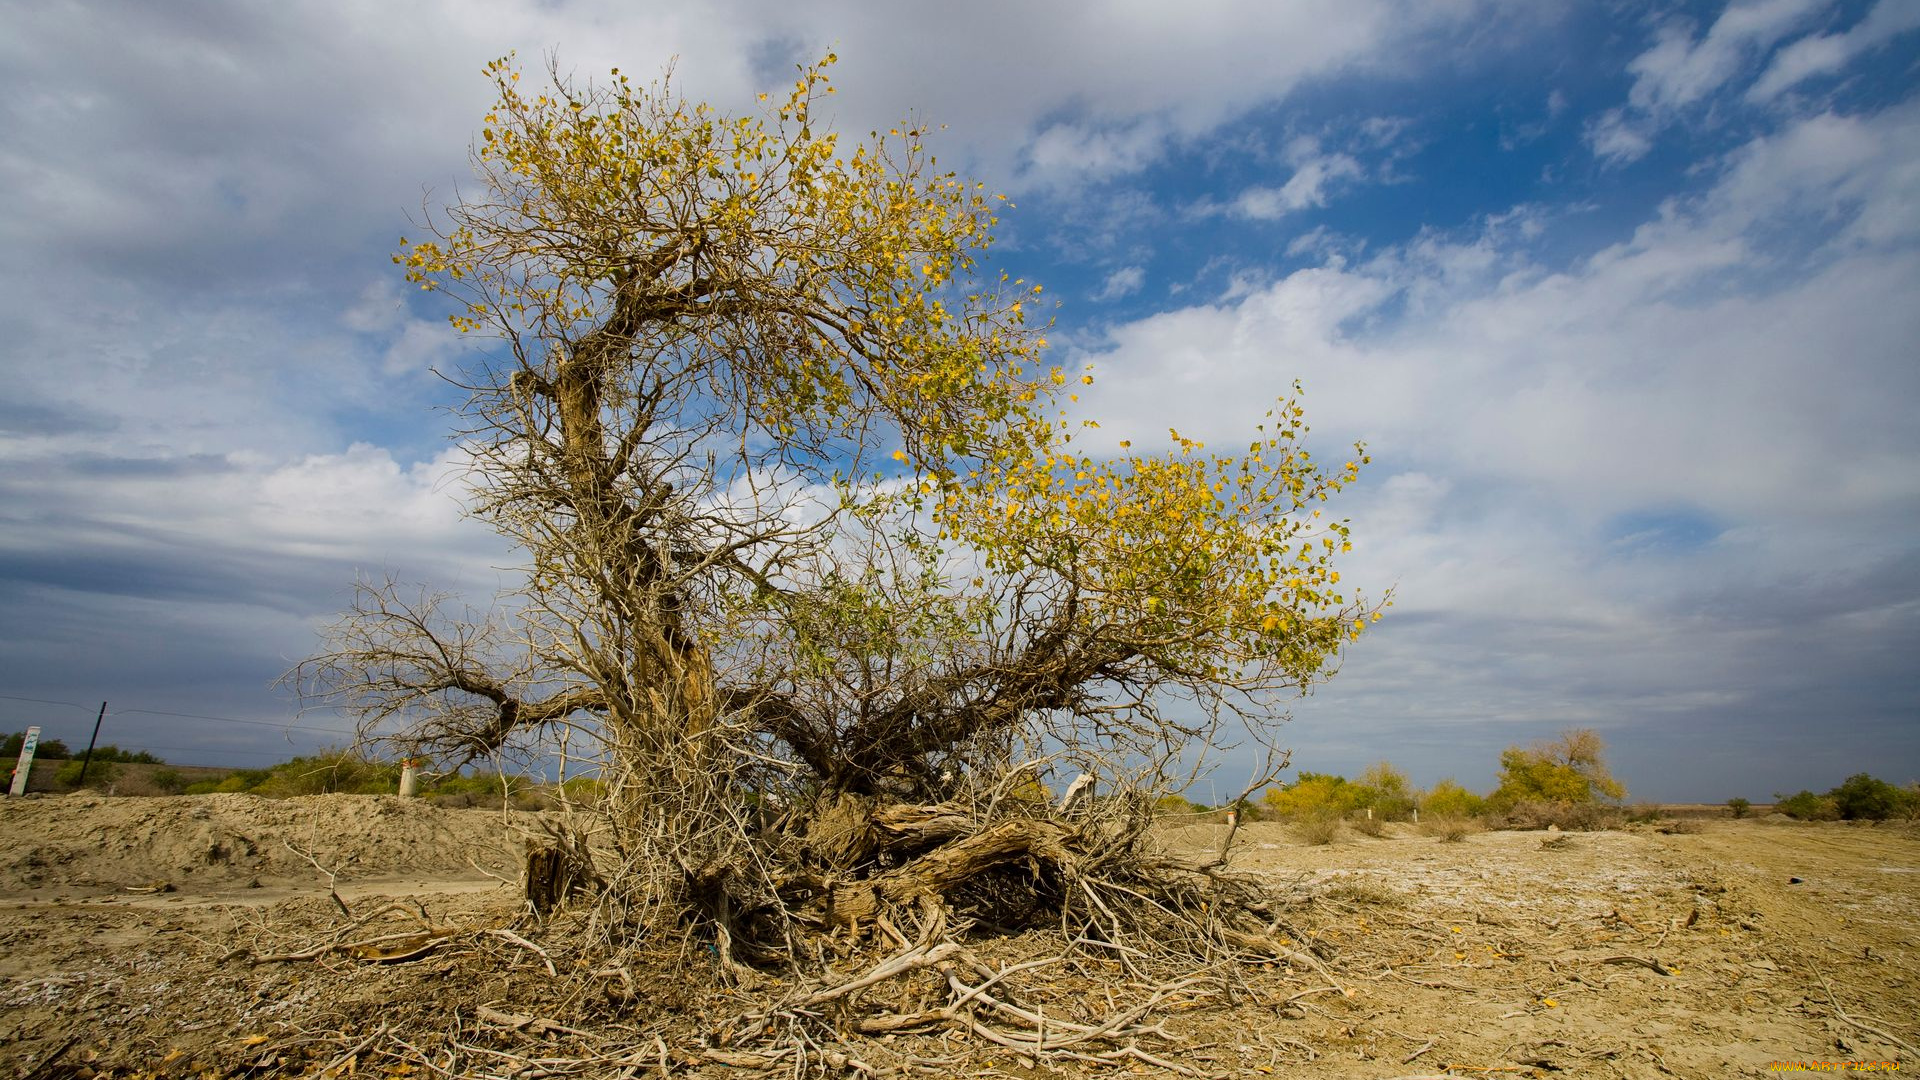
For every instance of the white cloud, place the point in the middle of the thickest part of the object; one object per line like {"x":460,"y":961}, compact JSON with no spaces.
{"x":1824,"y":54}
{"x":1065,"y":152}
{"x":1122,"y":282}
{"x":1307,"y":187}
{"x":1618,"y":139}
{"x":1679,"y":71}
{"x":1718,"y":365}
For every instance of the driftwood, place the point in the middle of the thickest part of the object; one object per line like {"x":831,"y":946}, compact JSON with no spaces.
{"x":939,"y":872}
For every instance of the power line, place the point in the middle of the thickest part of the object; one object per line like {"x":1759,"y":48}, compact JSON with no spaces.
{"x":44,"y":701}
{"x":282,"y":724}
{"x":209,"y":749}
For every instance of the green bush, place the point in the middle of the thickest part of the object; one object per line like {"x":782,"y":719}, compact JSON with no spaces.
{"x":169,"y":780}
{"x":51,"y":749}
{"x":131,"y":757}
{"x":329,"y":772}
{"x":1806,"y":806}
{"x":1739,"y":807}
{"x":1860,"y":797}
{"x":98,"y":773}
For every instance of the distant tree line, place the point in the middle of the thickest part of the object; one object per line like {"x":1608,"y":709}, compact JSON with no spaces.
{"x":1564,"y":782}
{"x":1550,"y":782}
{"x":55,"y":750}
{"x":1859,"y":797}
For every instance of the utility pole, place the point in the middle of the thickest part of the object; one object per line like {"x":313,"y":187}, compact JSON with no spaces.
{"x":88,"y":760}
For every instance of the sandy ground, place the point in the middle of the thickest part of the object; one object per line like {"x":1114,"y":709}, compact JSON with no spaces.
{"x":1617,"y":954}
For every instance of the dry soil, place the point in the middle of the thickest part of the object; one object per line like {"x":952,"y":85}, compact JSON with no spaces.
{"x":131,"y":928}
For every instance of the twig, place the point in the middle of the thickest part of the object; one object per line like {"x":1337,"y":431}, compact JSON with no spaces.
{"x":350,"y":1055}
{"x":366,"y":948}
{"x":489,"y":873}
{"x":1654,"y":966}
{"x":333,"y":879}
{"x":517,"y":1022}
{"x":1869,"y":1028}
{"x":508,"y":935}
{"x":1408,"y":1060}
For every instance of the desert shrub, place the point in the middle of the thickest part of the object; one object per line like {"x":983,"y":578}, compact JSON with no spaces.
{"x":99,"y":772}
{"x":1806,"y":806}
{"x":1449,"y":828}
{"x":1448,"y":799}
{"x":1316,"y":829}
{"x":1314,"y":795}
{"x":1578,"y":817}
{"x":456,"y":790}
{"x":330,"y":772}
{"x":1861,"y":797}
{"x":1644,"y":813}
{"x":168,"y":780}
{"x":1363,"y":891}
{"x":1375,"y":827}
{"x":1739,"y":807}
{"x":1682,"y":827}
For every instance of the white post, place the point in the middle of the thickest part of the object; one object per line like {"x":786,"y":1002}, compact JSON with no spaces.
{"x":409,"y":777}
{"x":1416,"y":815}
{"x":1369,"y":813}
{"x":22,"y":770}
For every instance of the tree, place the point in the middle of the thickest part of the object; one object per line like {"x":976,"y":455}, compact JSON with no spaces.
{"x":1863,"y":797}
{"x":1315,"y":795}
{"x":1569,"y":769}
{"x":805,"y":527}
{"x":47,"y":748}
{"x":1386,"y":791}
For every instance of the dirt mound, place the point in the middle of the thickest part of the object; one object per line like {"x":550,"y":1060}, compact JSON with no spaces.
{"x":205,"y":842}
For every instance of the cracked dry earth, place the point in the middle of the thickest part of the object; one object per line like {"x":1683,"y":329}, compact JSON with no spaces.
{"x":1508,"y":954}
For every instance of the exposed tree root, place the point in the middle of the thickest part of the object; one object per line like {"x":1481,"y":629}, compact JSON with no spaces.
{"x":878,"y":968}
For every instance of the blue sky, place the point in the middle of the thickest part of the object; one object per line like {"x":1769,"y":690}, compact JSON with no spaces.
{"x":1621,"y":296}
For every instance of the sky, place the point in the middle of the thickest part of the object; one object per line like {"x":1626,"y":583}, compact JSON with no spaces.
{"x":1624,"y":299}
